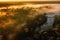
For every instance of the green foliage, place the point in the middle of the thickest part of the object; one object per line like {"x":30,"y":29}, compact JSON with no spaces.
{"x":57,"y":22}
{"x":30,"y":28}
{"x":57,"y":19}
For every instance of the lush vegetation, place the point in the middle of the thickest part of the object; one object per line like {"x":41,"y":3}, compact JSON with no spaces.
{"x":31,"y":30}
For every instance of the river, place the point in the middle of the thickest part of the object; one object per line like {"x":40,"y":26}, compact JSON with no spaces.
{"x":50,"y":20}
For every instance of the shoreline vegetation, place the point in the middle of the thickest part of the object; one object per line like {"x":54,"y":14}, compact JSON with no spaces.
{"x":25,"y":24}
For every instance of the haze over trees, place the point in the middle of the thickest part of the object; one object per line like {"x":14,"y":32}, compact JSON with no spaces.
{"x":22,"y":27}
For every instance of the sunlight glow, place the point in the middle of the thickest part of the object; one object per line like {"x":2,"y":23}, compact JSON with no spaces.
{"x":27,"y":0}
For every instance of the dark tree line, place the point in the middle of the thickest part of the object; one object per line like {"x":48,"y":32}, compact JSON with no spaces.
{"x":29,"y":32}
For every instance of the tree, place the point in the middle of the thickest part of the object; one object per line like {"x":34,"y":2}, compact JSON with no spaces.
{"x":29,"y":30}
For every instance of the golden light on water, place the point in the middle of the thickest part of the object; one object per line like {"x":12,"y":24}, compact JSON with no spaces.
{"x":11,"y":20}
{"x":40,"y":8}
{"x":32,"y":5}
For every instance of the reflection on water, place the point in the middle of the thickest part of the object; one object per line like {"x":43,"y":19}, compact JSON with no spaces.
{"x":50,"y":20}
{"x":38,"y":7}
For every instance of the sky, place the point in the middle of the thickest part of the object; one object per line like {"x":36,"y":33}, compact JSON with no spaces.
{"x":27,"y":0}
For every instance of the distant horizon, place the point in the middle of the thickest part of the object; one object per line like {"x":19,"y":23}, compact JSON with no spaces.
{"x":36,"y":2}
{"x":25,"y":0}
{"x":4,"y":4}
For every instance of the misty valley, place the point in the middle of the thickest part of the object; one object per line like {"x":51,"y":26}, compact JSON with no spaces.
{"x":30,"y":22}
